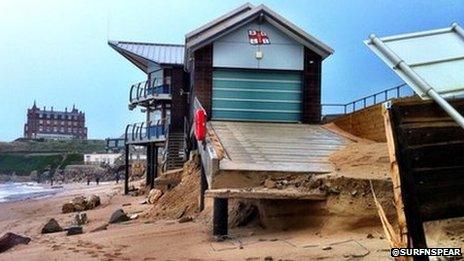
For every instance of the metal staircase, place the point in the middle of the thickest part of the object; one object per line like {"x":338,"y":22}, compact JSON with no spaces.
{"x":175,"y":151}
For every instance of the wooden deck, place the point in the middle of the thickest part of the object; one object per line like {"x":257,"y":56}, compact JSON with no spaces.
{"x":252,"y":146}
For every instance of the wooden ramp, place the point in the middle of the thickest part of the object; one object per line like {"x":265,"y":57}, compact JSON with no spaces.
{"x":252,"y":146}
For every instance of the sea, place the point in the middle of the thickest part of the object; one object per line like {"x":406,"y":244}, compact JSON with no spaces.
{"x":16,"y":191}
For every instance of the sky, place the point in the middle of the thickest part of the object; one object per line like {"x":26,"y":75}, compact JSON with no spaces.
{"x":56,"y":51}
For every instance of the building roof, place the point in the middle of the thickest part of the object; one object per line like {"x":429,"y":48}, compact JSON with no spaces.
{"x":245,"y":14}
{"x":145,"y":55}
{"x":434,"y":57}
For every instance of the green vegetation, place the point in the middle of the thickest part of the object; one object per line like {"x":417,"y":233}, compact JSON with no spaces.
{"x":23,"y":157}
{"x":23,"y":164}
{"x":50,"y":146}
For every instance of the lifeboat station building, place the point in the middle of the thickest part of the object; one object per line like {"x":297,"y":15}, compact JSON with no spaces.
{"x":257,"y":77}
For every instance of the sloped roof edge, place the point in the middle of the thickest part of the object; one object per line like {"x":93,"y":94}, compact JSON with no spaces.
{"x":275,"y":19}
{"x":238,"y":10}
{"x":135,"y":55}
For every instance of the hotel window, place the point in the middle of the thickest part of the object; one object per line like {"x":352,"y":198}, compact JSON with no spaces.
{"x":69,"y":123}
{"x":40,"y":122}
{"x":62,"y":123}
{"x":55,"y":129}
{"x":48,"y":121}
{"x":40,"y":128}
{"x":48,"y":116}
{"x":75,"y":123}
{"x":62,"y":129}
{"x":40,"y":115}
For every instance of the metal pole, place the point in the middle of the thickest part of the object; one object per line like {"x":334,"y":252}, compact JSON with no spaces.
{"x":126,"y":177}
{"x":154,"y":164}
{"x":423,"y":85}
{"x":220,"y":216}
{"x":203,"y":188}
{"x":148,"y":165}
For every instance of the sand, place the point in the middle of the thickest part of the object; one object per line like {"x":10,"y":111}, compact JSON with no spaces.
{"x":147,"y":239}
{"x":335,"y":229}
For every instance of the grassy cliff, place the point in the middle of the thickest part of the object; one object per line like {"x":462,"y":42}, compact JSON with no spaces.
{"x":23,"y":157}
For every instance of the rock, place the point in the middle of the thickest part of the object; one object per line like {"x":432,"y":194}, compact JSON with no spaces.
{"x":93,"y":202}
{"x":185,"y":219}
{"x":10,"y":240}
{"x":327,"y":248}
{"x":154,"y":195}
{"x":67,"y":208}
{"x":134,"y":216}
{"x":144,"y":202}
{"x":81,"y":219}
{"x":80,"y":204}
{"x":52,"y":226}
{"x":118,"y":216}
{"x":126,"y":204}
{"x":354,"y":193}
{"x":370,"y":236}
{"x":100,"y":228}
{"x":270,"y":184}
{"x":74,"y":231}
{"x":268,"y":258}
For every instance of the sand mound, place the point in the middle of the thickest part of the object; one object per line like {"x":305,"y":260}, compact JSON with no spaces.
{"x":362,"y":160}
{"x":182,"y":200}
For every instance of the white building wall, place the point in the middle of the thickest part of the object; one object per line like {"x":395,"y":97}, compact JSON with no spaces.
{"x":235,"y":51}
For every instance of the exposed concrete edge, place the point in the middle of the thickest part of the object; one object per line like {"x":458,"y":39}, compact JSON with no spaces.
{"x":265,"y":194}
{"x":209,"y":159}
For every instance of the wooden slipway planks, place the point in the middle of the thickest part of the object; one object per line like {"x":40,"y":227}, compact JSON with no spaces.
{"x":276,"y":146}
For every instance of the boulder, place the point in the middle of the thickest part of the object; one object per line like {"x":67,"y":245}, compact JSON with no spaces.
{"x":52,"y":226}
{"x":67,"y":208}
{"x":74,"y":231}
{"x":118,"y":216}
{"x":10,"y":240}
{"x":270,"y":184}
{"x":80,"y":203}
{"x":154,"y":195}
{"x":93,"y":202}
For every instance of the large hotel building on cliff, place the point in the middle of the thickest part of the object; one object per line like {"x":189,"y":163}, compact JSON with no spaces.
{"x":51,"y":124}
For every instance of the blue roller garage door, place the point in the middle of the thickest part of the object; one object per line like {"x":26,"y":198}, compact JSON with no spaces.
{"x":255,"y":95}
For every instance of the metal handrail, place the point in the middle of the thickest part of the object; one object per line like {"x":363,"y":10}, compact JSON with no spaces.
{"x":374,"y":97}
{"x":141,"y":130}
{"x":144,"y":89}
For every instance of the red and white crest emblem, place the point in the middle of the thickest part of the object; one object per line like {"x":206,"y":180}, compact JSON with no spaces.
{"x":258,"y":37}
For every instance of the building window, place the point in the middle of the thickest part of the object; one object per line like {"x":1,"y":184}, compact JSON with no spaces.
{"x":55,"y":129}
{"x":69,"y":123}
{"x":75,"y":123}
{"x":48,"y":122}
{"x":40,"y":115}
{"x":40,"y":122}
{"x":62,"y":123}
{"x":40,"y":128}
{"x":48,"y":116}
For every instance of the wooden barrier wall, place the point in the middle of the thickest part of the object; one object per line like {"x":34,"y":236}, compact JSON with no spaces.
{"x":367,"y":123}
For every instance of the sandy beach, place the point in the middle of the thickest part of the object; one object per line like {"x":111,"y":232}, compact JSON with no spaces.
{"x":150,"y":239}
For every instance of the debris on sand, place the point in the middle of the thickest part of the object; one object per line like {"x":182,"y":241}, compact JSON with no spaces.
{"x":181,"y":200}
{"x":80,"y":203}
{"x":81,"y":219}
{"x":327,"y":248}
{"x":100,"y":228}
{"x":74,"y":231}
{"x":118,"y":216}
{"x":10,"y":240}
{"x":154,"y":195}
{"x":51,"y":226}
{"x":185,"y":219}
